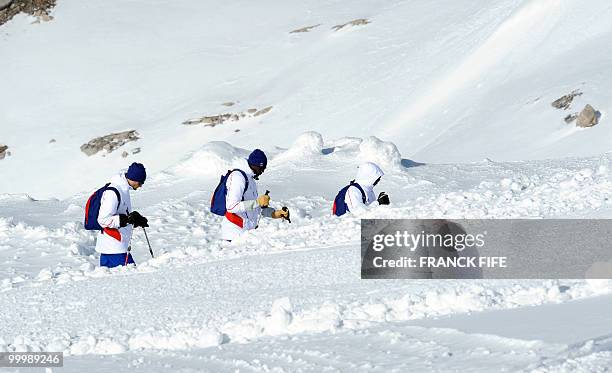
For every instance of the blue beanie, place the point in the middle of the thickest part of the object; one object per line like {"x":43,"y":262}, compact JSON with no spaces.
{"x":258,"y":158}
{"x":137,"y":172}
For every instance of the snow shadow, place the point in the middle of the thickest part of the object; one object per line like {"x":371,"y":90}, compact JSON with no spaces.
{"x":408,"y":163}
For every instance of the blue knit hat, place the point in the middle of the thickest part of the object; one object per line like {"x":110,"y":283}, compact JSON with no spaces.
{"x":137,"y":172}
{"x":258,"y":158}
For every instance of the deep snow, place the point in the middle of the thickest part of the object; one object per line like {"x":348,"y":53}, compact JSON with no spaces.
{"x":451,"y":99}
{"x":284,"y":287}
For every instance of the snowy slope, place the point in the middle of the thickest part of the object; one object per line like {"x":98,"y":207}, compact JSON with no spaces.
{"x":305,"y":178}
{"x":267,"y":300}
{"x":447,"y":82}
{"x":457,"y":95}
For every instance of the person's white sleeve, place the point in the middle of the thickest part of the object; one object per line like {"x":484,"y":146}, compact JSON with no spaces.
{"x":108,"y":217}
{"x":236,"y":185}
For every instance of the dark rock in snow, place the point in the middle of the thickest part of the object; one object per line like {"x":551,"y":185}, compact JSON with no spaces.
{"x":109,"y":142}
{"x":263,"y":111}
{"x":565,"y":101}
{"x":304,"y":29}
{"x":3,"y":151}
{"x":355,"y":22}
{"x":570,"y":118}
{"x":214,"y":120}
{"x":38,"y":8}
{"x":209,"y":121}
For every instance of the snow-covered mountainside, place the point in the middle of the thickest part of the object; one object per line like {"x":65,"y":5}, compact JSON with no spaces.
{"x":451,"y":99}
{"x":447,"y":81}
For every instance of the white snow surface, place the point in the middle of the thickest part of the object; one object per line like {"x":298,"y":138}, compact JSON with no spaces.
{"x":451,"y":99}
{"x":447,"y":82}
{"x":288,"y":297}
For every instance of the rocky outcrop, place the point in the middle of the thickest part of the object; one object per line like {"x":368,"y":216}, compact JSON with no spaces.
{"x":588,"y":117}
{"x":570,"y":118}
{"x":109,"y":143}
{"x":304,"y":29}
{"x":5,"y":4}
{"x":42,"y":16}
{"x":263,"y":111}
{"x":38,"y":8}
{"x":212,"y":120}
{"x":355,"y":22}
{"x":4,"y":151}
{"x":125,"y":153}
{"x":565,"y":101}
{"x":215,"y":120}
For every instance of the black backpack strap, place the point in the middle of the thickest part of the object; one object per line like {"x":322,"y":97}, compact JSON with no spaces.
{"x":363,"y":195}
{"x":246,"y":180}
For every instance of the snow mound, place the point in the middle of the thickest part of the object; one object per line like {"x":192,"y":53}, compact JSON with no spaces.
{"x":214,"y":158}
{"x":371,"y":149}
{"x":280,"y":317}
{"x":306,"y":145}
{"x":345,"y":144}
{"x":383,"y":153}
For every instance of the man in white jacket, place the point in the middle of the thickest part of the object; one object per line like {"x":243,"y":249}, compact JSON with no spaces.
{"x":360,"y":193}
{"x":117,"y":218}
{"x":244,"y":206}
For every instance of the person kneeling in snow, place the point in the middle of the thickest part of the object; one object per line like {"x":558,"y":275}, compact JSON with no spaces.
{"x":360,"y":192}
{"x":116,"y":218}
{"x":243,"y":205}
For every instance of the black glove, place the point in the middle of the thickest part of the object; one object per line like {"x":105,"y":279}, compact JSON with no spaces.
{"x":282,"y":213}
{"x":123,"y":220}
{"x":383,"y":198}
{"x":137,"y":220}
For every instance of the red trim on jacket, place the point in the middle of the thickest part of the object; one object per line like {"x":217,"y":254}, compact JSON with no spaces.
{"x":113,"y":232}
{"x":233,"y":218}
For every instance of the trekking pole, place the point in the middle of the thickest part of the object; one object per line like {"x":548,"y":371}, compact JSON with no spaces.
{"x":148,"y":243}
{"x":127,"y":253}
